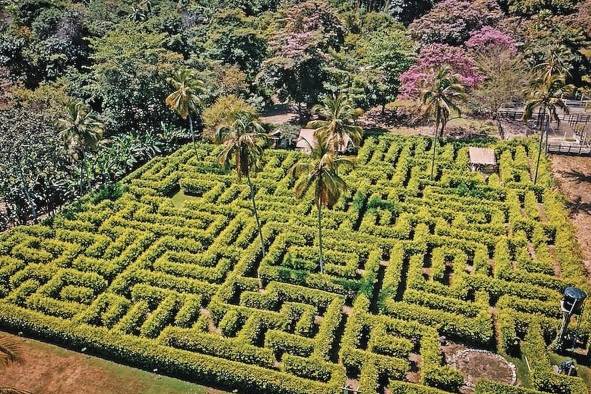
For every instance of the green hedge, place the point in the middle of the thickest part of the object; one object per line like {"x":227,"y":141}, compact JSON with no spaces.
{"x":186,"y":288}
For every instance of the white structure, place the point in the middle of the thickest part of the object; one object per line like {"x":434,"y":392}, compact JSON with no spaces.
{"x":306,"y":142}
{"x":483,"y":159}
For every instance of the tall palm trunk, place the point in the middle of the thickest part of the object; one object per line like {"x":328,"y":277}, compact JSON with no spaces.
{"x":192,"y":132}
{"x":319,"y":206}
{"x":256,"y":213}
{"x":542,"y":127}
{"x":81,"y":169}
{"x":549,"y":124}
{"x":435,"y":140}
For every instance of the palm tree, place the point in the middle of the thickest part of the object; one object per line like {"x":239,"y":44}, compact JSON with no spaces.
{"x":185,"y":99}
{"x":141,"y":12}
{"x":337,"y":122}
{"x":439,"y":100}
{"x":81,"y":131}
{"x":553,"y":64}
{"x":322,"y":173}
{"x":10,"y":352}
{"x":244,"y":142}
{"x":545,"y":95}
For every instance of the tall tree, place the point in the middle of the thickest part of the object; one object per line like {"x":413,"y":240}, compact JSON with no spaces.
{"x":430,"y":59}
{"x":387,"y":53}
{"x":297,"y":68}
{"x":545,"y":96}
{"x":224,"y":112}
{"x":128,"y":77}
{"x":321,"y":174}
{"x":233,"y":39}
{"x":81,"y":131}
{"x":451,"y":21}
{"x":554,"y":63}
{"x":504,"y":70}
{"x":558,"y":40}
{"x":244,"y":141}
{"x":439,"y":100}
{"x":185,"y":99}
{"x":53,"y":45}
{"x":337,"y":122}
{"x":34,"y":172}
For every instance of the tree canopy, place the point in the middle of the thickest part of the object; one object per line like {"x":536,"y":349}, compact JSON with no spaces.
{"x":119,"y":59}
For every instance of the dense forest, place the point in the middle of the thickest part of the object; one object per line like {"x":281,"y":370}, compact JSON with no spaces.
{"x":88,"y":87}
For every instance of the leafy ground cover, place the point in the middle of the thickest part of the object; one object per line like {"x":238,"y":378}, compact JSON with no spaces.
{"x":160,"y":280}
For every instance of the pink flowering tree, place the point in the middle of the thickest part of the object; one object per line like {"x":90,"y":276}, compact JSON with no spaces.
{"x":452,"y":21}
{"x":504,"y":71}
{"x":489,"y":38}
{"x":297,"y":68}
{"x":431,"y":58}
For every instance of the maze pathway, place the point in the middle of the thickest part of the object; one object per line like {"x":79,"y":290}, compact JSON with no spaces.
{"x":185,"y":288}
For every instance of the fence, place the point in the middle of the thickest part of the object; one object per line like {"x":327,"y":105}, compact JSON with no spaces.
{"x":578,"y":103}
{"x":569,"y":149}
{"x":572,"y":119}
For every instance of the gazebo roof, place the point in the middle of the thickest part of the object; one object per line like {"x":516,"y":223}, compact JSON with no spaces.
{"x":306,"y":141}
{"x":482,"y":156}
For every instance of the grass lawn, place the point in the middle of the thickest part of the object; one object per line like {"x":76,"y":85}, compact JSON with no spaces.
{"x":522,"y":371}
{"x":48,"y":369}
{"x":583,"y":371}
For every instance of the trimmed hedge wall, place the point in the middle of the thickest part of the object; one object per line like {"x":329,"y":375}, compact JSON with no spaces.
{"x":180,"y":283}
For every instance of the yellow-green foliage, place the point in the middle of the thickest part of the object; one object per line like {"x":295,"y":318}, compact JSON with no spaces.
{"x":157,"y":284}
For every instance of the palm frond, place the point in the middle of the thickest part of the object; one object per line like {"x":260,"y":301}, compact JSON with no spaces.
{"x":9,"y":351}
{"x":12,"y":390}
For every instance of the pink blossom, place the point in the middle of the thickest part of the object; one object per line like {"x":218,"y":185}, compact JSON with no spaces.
{"x":489,"y":37}
{"x":451,"y":21}
{"x":430,"y":59}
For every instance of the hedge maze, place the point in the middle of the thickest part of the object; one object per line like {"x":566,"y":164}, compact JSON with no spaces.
{"x":185,"y":289}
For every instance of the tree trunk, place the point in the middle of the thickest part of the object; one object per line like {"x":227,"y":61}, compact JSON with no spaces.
{"x":256,"y":214}
{"x":319,"y":205}
{"x":542,"y":124}
{"x":500,"y":129}
{"x":81,"y":181}
{"x":435,"y":138}
{"x":192,"y":132}
{"x":547,"y":130}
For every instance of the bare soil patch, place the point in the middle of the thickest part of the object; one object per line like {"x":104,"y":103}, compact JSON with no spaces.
{"x":50,"y":369}
{"x":573,"y":175}
{"x":477,"y":364}
{"x":279,"y":117}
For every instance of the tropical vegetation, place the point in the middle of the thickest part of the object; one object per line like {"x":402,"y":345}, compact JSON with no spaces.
{"x":216,"y":189}
{"x":148,"y":71}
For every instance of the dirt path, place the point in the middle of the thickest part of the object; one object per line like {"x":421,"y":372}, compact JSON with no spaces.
{"x":50,"y":369}
{"x":279,"y":117}
{"x":573,"y":175}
